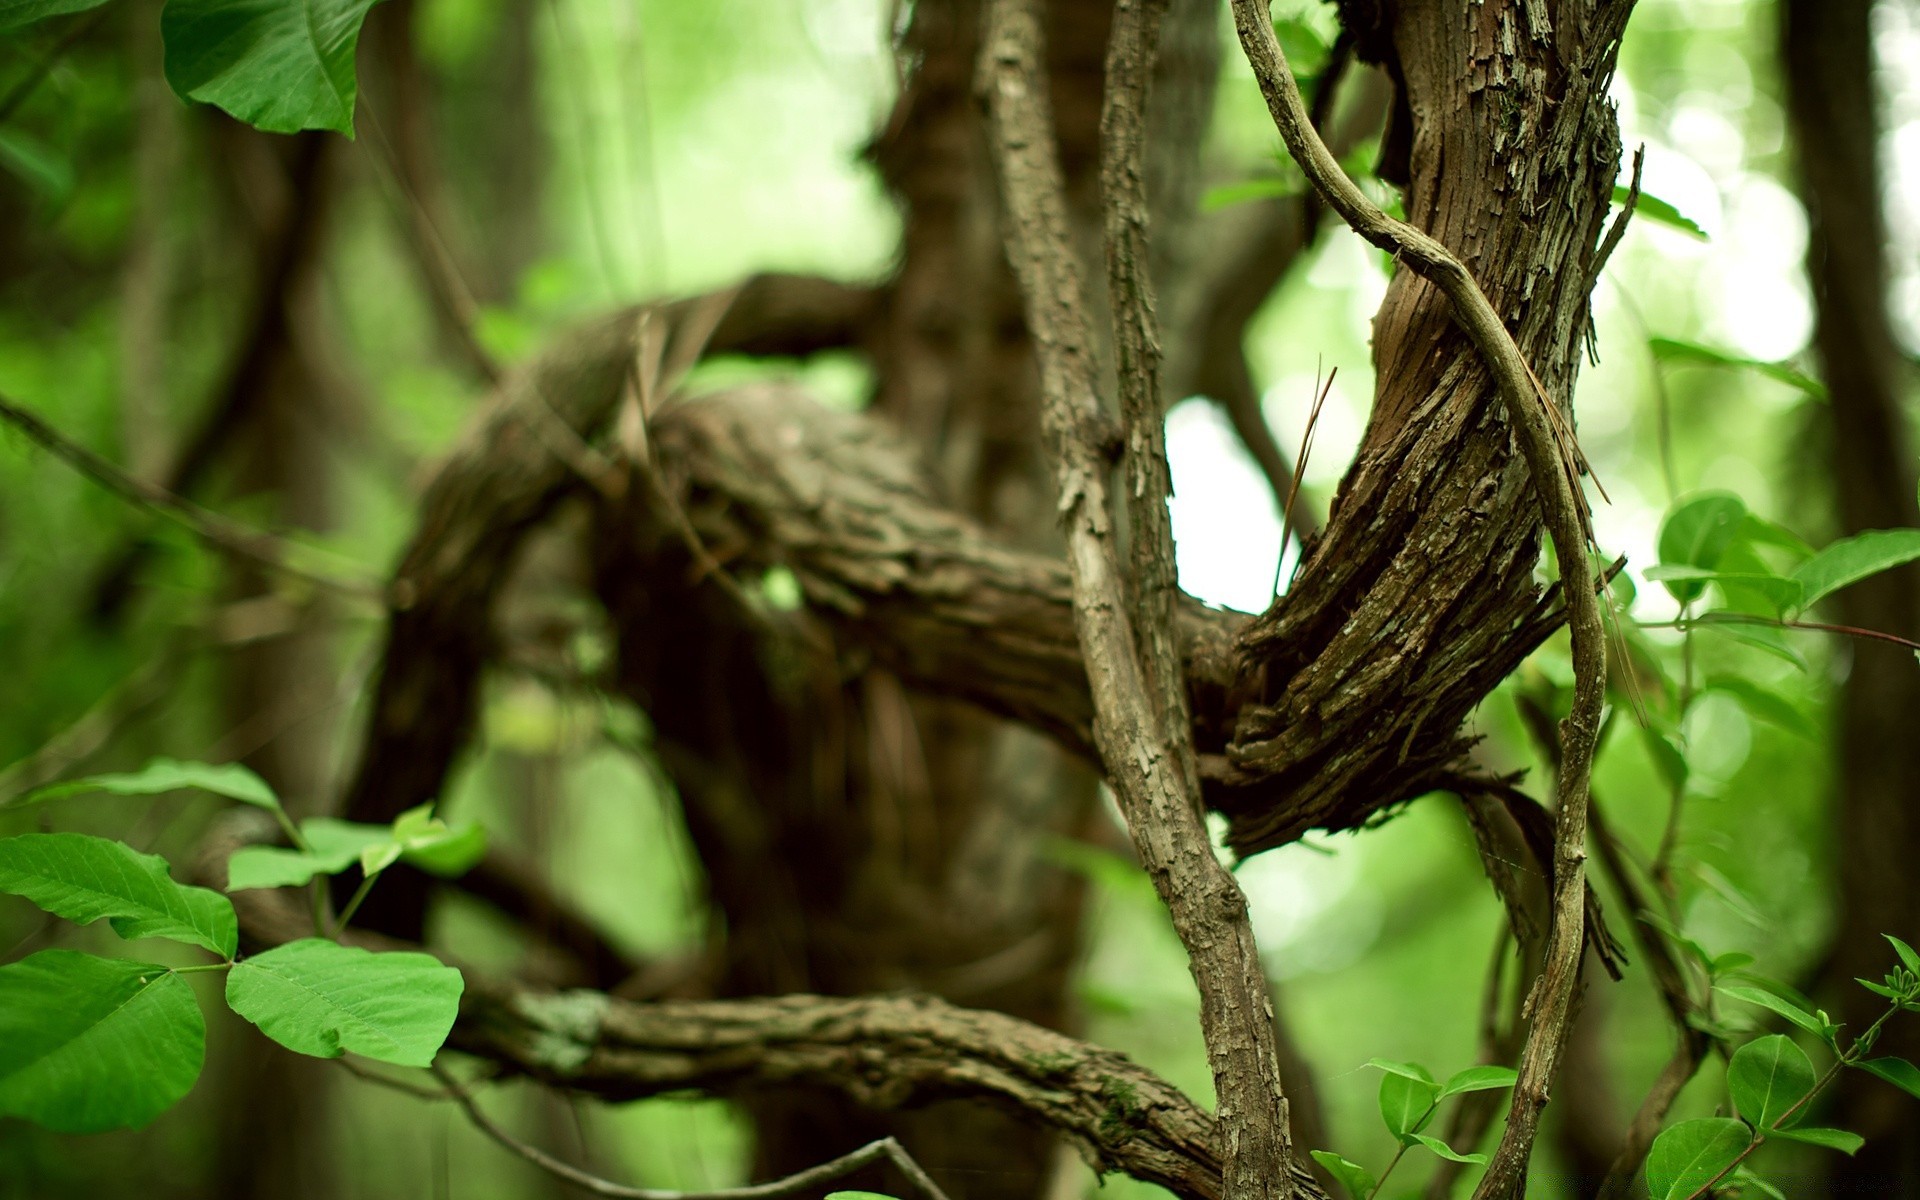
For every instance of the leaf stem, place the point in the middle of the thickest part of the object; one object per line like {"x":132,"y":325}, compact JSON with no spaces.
{"x":198,"y":967}
{"x":353,"y":904}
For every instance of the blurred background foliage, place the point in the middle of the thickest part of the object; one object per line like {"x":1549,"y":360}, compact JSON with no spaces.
{"x":599,"y":151}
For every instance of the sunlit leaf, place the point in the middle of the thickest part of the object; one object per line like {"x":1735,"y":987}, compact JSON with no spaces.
{"x":278,"y":65}
{"x":1896,"y":1071}
{"x":1674,"y":350}
{"x":1907,"y":955}
{"x":1266,"y":187}
{"x":1654,"y":209}
{"x":1852,"y":559}
{"x":1448,"y":1152}
{"x":320,"y":998}
{"x":1687,"y":1157}
{"x":1832,"y":1139}
{"x":89,"y":1044}
{"x":1767,"y":1077}
{"x":1777,"y":1004}
{"x":231,"y":780}
{"x":1406,"y":1102}
{"x":1479,"y":1079}
{"x":83,"y":879}
{"x":1358,"y":1181}
{"x":1695,"y":534}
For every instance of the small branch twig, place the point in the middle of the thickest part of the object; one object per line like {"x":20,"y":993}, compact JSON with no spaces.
{"x":1554,"y":463}
{"x":1141,"y":724}
{"x":795,"y":1184}
{"x":223,"y":534}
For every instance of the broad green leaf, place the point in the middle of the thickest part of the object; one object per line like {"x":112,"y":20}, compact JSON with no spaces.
{"x":17,"y":13}
{"x":1673,"y":350}
{"x":1688,"y":1156}
{"x":84,"y":878}
{"x":1781,"y":594}
{"x":1896,"y":1071}
{"x":1306,"y":50}
{"x":89,"y":1044}
{"x":450,"y":853}
{"x":231,"y":780}
{"x":1448,"y":1152}
{"x":1814,"y":1135}
{"x":272,"y":867}
{"x":1767,"y":1077}
{"x":1850,"y":560}
{"x":278,"y":65}
{"x":320,"y":998}
{"x":1663,"y":748}
{"x":1479,"y":1079}
{"x":1653,"y":208}
{"x":1406,"y":1103}
{"x":1695,"y":534}
{"x":1358,"y":1181}
{"x":1778,"y":1004}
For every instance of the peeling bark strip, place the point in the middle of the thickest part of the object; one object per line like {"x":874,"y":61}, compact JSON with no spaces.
{"x":1140,"y":721}
{"x":1495,"y":35}
{"x":882,"y":1052}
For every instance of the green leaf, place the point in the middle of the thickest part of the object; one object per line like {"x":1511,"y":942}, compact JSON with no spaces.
{"x":1479,"y":1079}
{"x":89,"y":1044}
{"x":231,"y":780}
{"x":1406,"y":1103}
{"x":1448,"y":1152}
{"x":1307,"y":52}
{"x":1906,"y":953}
{"x":1690,"y":1155}
{"x":1850,"y":560}
{"x":278,"y":65}
{"x":1781,"y":593}
{"x":1732,"y":960}
{"x":1768,"y":1076}
{"x":1358,"y":1181}
{"x":1896,"y":1071}
{"x":1695,"y":534}
{"x":1674,"y":350}
{"x":1814,"y":1135}
{"x":316,"y":997}
{"x":1778,"y":1004}
{"x":378,"y":857}
{"x":1653,"y":208}
{"x":272,"y":867}
{"x":84,"y":878}
{"x":17,"y":13}
{"x":1767,"y":638}
{"x":1412,"y":1071}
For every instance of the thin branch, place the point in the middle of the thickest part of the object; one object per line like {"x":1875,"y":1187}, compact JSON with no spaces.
{"x":1553,"y":461}
{"x":800,"y":1181}
{"x":225,"y":535}
{"x":1141,"y":725}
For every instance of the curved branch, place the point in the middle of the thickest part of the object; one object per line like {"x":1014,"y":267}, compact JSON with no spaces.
{"x":885,"y":1052}
{"x":1554,"y":463}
